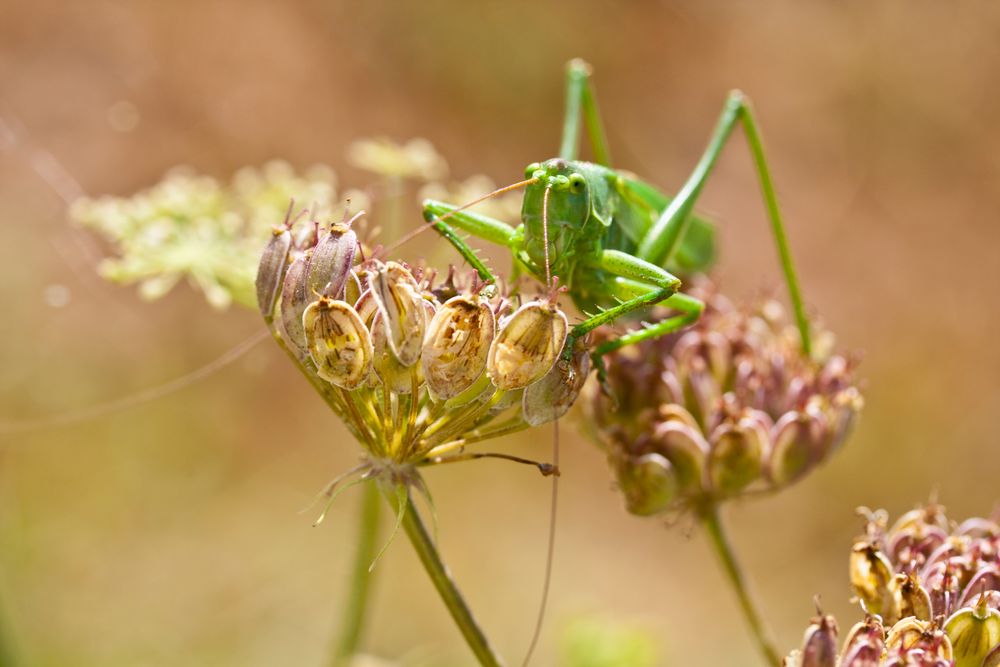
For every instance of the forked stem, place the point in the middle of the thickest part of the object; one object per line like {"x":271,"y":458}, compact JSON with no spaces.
{"x":355,"y":611}
{"x":441,"y":578}
{"x":720,"y":543}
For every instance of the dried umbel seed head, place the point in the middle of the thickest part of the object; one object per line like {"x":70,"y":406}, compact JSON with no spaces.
{"x":935,"y":585}
{"x":731,"y":403}
{"x":415,"y":379}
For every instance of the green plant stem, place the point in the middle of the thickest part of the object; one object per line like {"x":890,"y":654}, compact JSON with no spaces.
{"x":8,"y":654}
{"x":441,"y":578}
{"x":352,"y":625}
{"x":720,"y":542}
{"x":353,"y":620}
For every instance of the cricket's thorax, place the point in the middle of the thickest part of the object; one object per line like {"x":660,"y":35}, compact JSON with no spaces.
{"x":580,"y":210}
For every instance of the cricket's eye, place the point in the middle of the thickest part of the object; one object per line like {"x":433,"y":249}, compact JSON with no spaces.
{"x":577,"y":183}
{"x":529,"y":171}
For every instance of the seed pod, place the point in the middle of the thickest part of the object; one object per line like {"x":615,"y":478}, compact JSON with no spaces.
{"x":352,"y":288}
{"x":737,"y":455}
{"x":873,"y":581}
{"x":389,"y":370}
{"x":527,"y":346}
{"x":456,"y":346}
{"x":507,"y":399}
{"x":911,"y":634}
{"x":366,"y":307}
{"x":686,"y":450}
{"x":792,"y":449}
{"x":819,"y":647}
{"x":331,"y":262}
{"x":973,"y":633}
{"x":913,"y":599}
{"x":338,"y":342}
{"x":985,"y":581}
{"x":294,"y":299}
{"x":552,"y":396}
{"x":649,"y":484}
{"x":862,"y":654}
{"x":864,"y":643}
{"x":403,"y":313}
{"x":271,"y":270}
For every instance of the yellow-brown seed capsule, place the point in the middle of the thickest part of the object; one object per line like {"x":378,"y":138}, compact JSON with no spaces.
{"x":527,"y":346}
{"x":395,"y":293}
{"x":873,"y":581}
{"x":456,"y":345}
{"x":338,"y":342}
{"x":913,"y":598}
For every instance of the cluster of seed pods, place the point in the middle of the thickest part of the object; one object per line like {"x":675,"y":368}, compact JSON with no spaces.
{"x":726,"y":407}
{"x":931,"y":590}
{"x":415,"y":370}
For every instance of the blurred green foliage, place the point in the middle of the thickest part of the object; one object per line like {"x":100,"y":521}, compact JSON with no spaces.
{"x":602,"y":642}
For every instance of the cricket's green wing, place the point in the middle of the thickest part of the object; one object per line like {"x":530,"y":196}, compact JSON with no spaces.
{"x":698,"y":246}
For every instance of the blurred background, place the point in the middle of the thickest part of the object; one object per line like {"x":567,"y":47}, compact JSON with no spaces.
{"x":171,"y":531}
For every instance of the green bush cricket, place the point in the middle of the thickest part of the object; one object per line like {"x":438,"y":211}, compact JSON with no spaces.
{"x":611,"y":240}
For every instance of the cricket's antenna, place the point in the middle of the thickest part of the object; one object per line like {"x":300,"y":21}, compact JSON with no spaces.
{"x":553,"y":508}
{"x":545,"y":235}
{"x":499,"y":191}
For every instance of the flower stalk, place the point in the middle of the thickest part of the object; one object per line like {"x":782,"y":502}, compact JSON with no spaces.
{"x":422,"y":543}
{"x":734,"y":573}
{"x":355,"y":610}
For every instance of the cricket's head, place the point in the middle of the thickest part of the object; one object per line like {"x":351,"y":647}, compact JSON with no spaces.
{"x":560,"y":203}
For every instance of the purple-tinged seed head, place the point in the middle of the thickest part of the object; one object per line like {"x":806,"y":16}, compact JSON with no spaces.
{"x":731,"y":402}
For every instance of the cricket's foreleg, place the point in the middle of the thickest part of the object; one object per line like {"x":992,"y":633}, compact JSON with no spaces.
{"x":662,"y":239}
{"x":486,"y":228}
{"x":581,"y":102}
{"x":644,"y":284}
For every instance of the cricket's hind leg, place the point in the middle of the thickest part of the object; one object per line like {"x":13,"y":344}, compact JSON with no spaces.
{"x":581,"y":101}
{"x":643,"y":284}
{"x":663,"y":238}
